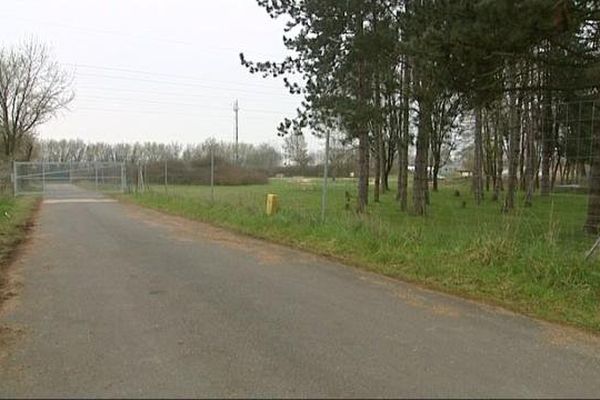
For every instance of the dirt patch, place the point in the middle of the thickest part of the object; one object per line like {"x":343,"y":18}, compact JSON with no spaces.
{"x":445,"y":310}
{"x":413,"y":299}
{"x":574,"y":339}
{"x":185,"y":230}
{"x":8,"y":336}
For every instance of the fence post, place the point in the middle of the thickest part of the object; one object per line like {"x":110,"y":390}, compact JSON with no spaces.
{"x":96,"y":172}
{"x":141,"y":183}
{"x":15,"y":187}
{"x":325,"y":177}
{"x":212,"y":174}
{"x":123,"y":178}
{"x":43,"y":176}
{"x":166,"y":178}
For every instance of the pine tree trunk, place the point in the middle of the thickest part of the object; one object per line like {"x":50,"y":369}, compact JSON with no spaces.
{"x":522,"y":153}
{"x":376,"y":186}
{"x":385,"y":181}
{"x":363,"y":136}
{"x":436,"y":171}
{"x":523,"y":142}
{"x":421,"y":181}
{"x":404,"y":141}
{"x":378,"y":140}
{"x":388,"y":160}
{"x":499,"y":162}
{"x":530,"y":154}
{"x":382,"y":161}
{"x":363,"y":170}
{"x":488,"y":153}
{"x":547,"y":147}
{"x":513,"y":149}
{"x":555,"y":172}
{"x":478,"y":167}
{"x":400,"y":149}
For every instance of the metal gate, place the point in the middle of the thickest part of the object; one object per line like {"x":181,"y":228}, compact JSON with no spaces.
{"x":68,"y":179}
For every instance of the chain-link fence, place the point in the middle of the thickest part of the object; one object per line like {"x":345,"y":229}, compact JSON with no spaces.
{"x":145,"y":176}
{"x":65,"y":178}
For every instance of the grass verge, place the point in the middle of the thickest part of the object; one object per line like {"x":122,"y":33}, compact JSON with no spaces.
{"x":16,"y":215}
{"x":530,"y":261}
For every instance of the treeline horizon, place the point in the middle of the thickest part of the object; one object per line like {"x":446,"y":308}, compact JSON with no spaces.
{"x":293,"y":158}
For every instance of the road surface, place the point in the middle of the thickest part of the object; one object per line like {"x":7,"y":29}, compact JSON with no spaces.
{"x":113,"y":300}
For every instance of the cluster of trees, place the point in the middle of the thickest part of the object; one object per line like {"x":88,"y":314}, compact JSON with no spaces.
{"x":263,"y":156}
{"x":395,"y":75}
{"x":294,"y":158}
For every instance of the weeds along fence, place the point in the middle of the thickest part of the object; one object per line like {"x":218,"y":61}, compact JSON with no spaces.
{"x":6,"y":171}
{"x":146,"y":175}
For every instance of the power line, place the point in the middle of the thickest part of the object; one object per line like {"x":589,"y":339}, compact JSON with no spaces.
{"x":178,"y":104}
{"x":192,"y":78}
{"x":236,"y":109}
{"x":176,"y":83}
{"x":161,"y":112}
{"x":162,"y":93}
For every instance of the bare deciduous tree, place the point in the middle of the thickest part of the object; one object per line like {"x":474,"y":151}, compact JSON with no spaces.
{"x":296,"y":150}
{"x":33,"y":88}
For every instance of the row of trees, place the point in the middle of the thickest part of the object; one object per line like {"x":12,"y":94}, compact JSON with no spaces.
{"x":394,"y":75}
{"x":294,"y":158}
{"x":262,"y":156}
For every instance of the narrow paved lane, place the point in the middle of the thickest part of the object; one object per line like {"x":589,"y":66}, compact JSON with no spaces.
{"x":120,"y":301}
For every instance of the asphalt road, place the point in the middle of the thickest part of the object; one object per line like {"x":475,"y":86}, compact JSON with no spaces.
{"x":116,"y":301}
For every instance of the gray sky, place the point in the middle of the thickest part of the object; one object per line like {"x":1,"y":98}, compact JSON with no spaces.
{"x":158,"y":70}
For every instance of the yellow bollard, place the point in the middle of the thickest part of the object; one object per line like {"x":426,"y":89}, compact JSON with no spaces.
{"x":272,"y":204}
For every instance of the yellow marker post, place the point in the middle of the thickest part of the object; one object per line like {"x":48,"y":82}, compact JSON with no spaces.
{"x":272,"y":204}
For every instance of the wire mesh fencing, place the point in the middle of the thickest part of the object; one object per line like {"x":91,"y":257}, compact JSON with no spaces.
{"x":154,"y":175}
{"x":67,"y":178}
{"x":553,"y":170}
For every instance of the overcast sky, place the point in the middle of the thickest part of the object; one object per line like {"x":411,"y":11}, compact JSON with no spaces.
{"x":157,"y":70}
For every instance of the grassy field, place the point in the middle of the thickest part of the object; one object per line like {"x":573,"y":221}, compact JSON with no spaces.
{"x":531,"y":261}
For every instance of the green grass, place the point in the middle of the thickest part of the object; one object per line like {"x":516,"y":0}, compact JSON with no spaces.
{"x":15,"y":216}
{"x":531,"y":260}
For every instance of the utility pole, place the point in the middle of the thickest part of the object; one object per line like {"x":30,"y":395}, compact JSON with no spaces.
{"x":166,"y":178}
{"x":15,"y":184}
{"x":43,"y":166}
{"x":212,"y":172}
{"x":325,"y":177}
{"x":123,"y":178}
{"x":236,"y":109}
